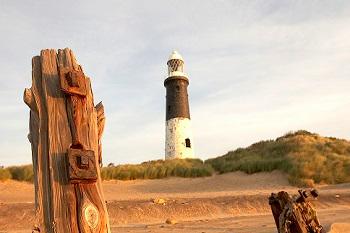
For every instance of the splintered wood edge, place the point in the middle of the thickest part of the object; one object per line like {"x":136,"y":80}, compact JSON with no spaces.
{"x":28,"y":98}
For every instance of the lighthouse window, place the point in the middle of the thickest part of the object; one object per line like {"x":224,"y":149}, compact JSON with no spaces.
{"x":175,"y":65}
{"x":188,"y":142}
{"x":169,"y":108}
{"x":178,"y":88}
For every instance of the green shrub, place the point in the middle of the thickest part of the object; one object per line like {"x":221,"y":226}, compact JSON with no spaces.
{"x":22,"y":173}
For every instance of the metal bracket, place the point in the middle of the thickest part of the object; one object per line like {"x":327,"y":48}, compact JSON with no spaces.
{"x":73,"y":82}
{"x":82,"y":165}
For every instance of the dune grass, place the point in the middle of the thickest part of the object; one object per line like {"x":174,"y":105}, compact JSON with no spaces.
{"x":21,"y":173}
{"x":5,"y":174}
{"x":158,"y":169}
{"x":306,"y":157}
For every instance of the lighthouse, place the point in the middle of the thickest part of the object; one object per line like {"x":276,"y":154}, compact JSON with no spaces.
{"x":178,"y":135}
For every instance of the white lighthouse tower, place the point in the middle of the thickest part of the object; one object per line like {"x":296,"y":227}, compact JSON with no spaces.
{"x":179,"y":139}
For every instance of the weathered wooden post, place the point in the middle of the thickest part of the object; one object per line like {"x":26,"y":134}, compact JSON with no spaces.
{"x":65,"y":135}
{"x":295,"y":214}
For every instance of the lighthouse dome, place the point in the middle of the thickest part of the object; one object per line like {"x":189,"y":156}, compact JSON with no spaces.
{"x":175,"y":56}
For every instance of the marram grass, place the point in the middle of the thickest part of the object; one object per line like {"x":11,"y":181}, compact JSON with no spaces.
{"x":158,"y":169}
{"x":306,"y":158}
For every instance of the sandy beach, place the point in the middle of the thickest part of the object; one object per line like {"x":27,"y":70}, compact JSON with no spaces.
{"x":234,"y":202}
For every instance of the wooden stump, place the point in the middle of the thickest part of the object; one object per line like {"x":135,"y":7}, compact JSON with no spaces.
{"x":65,"y":135}
{"x":295,"y":215}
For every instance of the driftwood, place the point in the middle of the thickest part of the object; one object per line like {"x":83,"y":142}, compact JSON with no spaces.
{"x":65,"y":135}
{"x":295,"y":214}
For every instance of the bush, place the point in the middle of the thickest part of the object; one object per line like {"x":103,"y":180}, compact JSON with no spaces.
{"x":22,"y":173}
{"x":4,"y":174}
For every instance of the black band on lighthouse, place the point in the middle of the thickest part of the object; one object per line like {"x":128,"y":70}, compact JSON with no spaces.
{"x":177,"y":98}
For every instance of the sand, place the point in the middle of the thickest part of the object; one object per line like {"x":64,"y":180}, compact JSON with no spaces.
{"x":340,"y":228}
{"x":234,"y":202}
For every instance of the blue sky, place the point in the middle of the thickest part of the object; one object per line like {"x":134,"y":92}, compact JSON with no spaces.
{"x":257,"y":69}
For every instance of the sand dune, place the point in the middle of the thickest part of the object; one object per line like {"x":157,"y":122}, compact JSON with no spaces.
{"x":234,"y":202}
{"x":340,"y":228}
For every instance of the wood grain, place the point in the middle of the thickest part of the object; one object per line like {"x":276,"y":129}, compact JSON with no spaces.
{"x":62,"y":206}
{"x":100,"y":125}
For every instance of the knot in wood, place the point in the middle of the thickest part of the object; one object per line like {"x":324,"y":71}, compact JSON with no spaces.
{"x":91,"y":216}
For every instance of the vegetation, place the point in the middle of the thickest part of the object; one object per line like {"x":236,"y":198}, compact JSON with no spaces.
{"x":148,"y":170}
{"x":4,"y":174}
{"x":21,"y":173}
{"x":306,"y":157}
{"x":158,"y":169}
